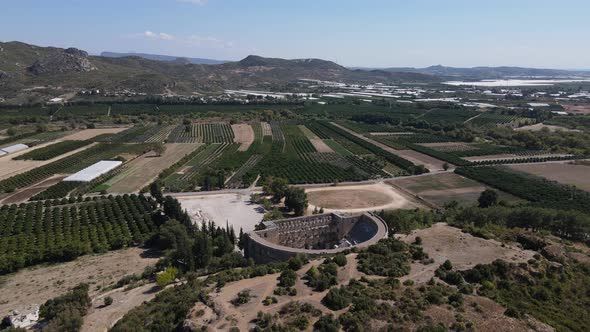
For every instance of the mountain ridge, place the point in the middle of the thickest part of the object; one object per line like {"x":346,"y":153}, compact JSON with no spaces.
{"x":24,"y":66}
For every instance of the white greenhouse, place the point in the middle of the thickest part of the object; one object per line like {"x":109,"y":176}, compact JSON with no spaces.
{"x":92,"y":172}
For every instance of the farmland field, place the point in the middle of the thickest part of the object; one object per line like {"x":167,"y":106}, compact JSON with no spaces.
{"x":92,"y":133}
{"x":144,"y":169}
{"x":243,"y":134}
{"x":564,"y":173}
{"x":439,"y":189}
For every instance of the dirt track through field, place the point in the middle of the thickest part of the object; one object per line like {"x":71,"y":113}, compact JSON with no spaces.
{"x":243,"y":134}
{"x":144,"y":169}
{"x":91,"y":133}
{"x":24,"y":194}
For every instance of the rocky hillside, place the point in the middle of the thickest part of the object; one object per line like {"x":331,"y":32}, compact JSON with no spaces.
{"x":24,"y":66}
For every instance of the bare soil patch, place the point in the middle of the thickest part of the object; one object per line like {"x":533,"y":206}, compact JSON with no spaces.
{"x":25,"y":194}
{"x":101,"y":318}
{"x":570,"y":173}
{"x":320,"y":145}
{"x":260,"y":287}
{"x":91,"y":133}
{"x":488,"y":318}
{"x":39,"y":284}
{"x":144,"y":169}
{"x":442,"y":242}
{"x":358,"y":198}
{"x":243,"y":134}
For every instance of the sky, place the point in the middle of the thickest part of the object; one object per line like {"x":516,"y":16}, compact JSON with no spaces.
{"x":367,"y":33}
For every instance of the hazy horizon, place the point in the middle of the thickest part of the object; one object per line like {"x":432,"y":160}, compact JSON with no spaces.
{"x":373,"y":34}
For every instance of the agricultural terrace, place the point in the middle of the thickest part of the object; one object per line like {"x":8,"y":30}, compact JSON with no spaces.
{"x":288,"y":152}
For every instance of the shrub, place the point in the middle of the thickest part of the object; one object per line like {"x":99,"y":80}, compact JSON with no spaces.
{"x":340,"y":260}
{"x":108,"y":301}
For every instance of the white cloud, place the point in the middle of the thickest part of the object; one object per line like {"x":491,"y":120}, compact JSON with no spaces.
{"x":160,"y":35}
{"x":195,"y":2}
{"x":192,"y":40}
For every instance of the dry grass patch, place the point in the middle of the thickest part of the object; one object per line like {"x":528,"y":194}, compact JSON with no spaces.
{"x":39,"y":284}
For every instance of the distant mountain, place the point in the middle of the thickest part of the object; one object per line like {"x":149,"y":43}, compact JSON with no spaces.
{"x":157,"y":57}
{"x":486,"y":72}
{"x":24,"y":66}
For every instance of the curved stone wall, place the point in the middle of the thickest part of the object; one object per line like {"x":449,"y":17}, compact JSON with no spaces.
{"x":314,"y":235}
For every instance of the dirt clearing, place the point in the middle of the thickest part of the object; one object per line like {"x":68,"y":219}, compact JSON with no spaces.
{"x":577,"y":108}
{"x":235,"y":209}
{"x":361,"y":198}
{"x":320,"y":145}
{"x":144,"y":169}
{"x":39,"y":284}
{"x":91,"y":133}
{"x":243,"y":134}
{"x":571,"y":174}
{"x":442,"y":242}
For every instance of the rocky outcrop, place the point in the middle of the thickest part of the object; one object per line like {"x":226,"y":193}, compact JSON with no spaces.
{"x":4,"y":75}
{"x":71,"y":60}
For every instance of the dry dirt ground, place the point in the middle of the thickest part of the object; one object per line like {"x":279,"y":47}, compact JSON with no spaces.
{"x":144,"y":169}
{"x":358,"y":198}
{"x":266,"y":129}
{"x":25,"y":194}
{"x":490,"y":317}
{"x":260,"y":287}
{"x":439,"y":189}
{"x":539,"y":126}
{"x":571,"y":174}
{"x":416,"y":158}
{"x":442,"y":242}
{"x":513,"y":156}
{"x":39,"y":284}
{"x":9,"y":167}
{"x":91,"y":133}
{"x":317,"y":142}
{"x":243,"y":134}
{"x":101,"y":318}
{"x":231,"y":208}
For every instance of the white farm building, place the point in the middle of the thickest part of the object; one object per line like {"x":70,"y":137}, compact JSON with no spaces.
{"x":93,"y":171}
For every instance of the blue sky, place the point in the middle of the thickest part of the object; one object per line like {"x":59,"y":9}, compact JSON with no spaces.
{"x":376,"y":33}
